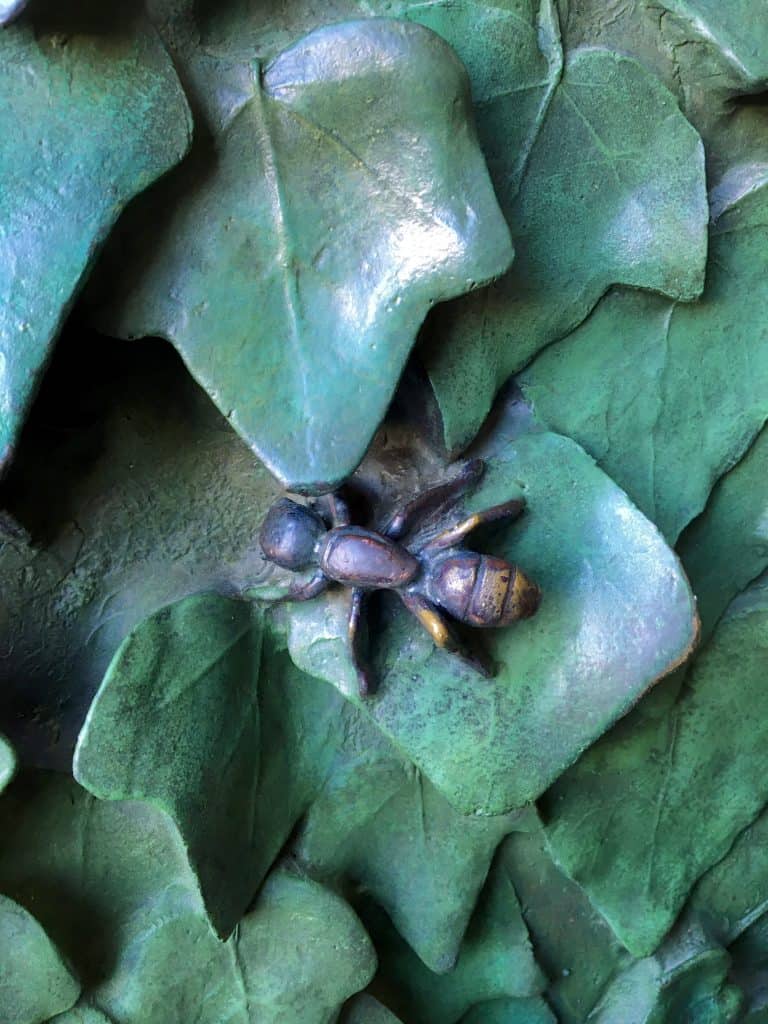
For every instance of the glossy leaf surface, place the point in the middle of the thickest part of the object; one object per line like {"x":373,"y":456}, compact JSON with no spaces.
{"x":638,"y":382}
{"x":625,"y":821}
{"x":335,"y":194}
{"x":95,"y":78}
{"x":616,"y":614}
{"x":613,"y":193}
{"x":35,"y":983}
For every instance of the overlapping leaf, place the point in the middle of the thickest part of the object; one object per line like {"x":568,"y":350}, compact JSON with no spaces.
{"x":640,"y":383}
{"x":102,"y":81}
{"x":625,"y":822}
{"x":177,"y":722}
{"x":738,"y":30}
{"x":726,"y":547}
{"x":230,"y":740}
{"x":296,"y":957}
{"x":616,"y":614}
{"x":371,"y":805}
{"x":334,"y":195}
{"x":613,"y":193}
{"x":496,"y":961}
{"x":35,"y":982}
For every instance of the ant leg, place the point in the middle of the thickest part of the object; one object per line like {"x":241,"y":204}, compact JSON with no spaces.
{"x":438,"y":628}
{"x":336,"y":508}
{"x":455,"y":534}
{"x":306,"y":591}
{"x":355,"y":629}
{"x":405,"y":518}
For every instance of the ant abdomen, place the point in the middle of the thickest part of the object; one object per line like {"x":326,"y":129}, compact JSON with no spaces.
{"x":481,"y":590}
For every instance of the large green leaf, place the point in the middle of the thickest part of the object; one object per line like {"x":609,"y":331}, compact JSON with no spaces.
{"x":176,"y":722}
{"x":35,"y":982}
{"x":230,"y":740}
{"x":91,"y":113}
{"x":626,"y":821}
{"x":616,"y":614}
{"x":373,"y":805}
{"x":637,"y":382}
{"x":333,"y":196}
{"x":495,"y":962}
{"x":613,"y":193}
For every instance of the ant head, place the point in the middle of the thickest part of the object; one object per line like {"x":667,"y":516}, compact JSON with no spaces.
{"x":290,"y":533}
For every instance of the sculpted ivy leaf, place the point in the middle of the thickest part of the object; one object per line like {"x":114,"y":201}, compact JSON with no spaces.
{"x":616,"y":614}
{"x":625,"y":821}
{"x":613,"y":192}
{"x":91,"y":113}
{"x":7,"y":763}
{"x":371,"y":805}
{"x":514,"y":57}
{"x":35,"y":982}
{"x":549,"y":898}
{"x":733,"y":894}
{"x":688,"y":975}
{"x":726,"y":547}
{"x":297,"y":955}
{"x":737,"y":30}
{"x":226,"y":735}
{"x":334,"y":195}
{"x":364,"y":1009}
{"x":496,"y":961}
{"x":632,"y":362}
{"x":84,"y":866}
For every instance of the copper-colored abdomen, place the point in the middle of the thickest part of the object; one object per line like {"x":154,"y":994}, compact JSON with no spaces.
{"x":482,"y":590}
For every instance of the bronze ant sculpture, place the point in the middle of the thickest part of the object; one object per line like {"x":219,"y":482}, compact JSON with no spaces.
{"x":431,"y":574}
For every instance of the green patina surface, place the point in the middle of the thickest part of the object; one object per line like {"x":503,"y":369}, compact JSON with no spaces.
{"x":91,"y":113}
{"x":247,"y":841}
{"x":335,"y":194}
